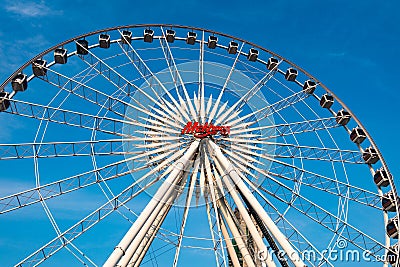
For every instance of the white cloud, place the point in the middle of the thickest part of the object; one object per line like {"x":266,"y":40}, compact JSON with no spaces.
{"x":28,"y":9}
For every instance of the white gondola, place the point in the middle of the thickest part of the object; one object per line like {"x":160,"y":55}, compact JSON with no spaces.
{"x":370,"y":155}
{"x":291,"y":74}
{"x":272,"y":63}
{"x":389,"y":201}
{"x":343,"y":117}
{"x":357,"y":135}
{"x":381,"y":178}
{"x":148,"y":35}
{"x":61,"y":55}
{"x":20,"y":82}
{"x":309,"y":87}
{"x":233,"y":47}
{"x":39,"y":67}
{"x":82,"y":47}
{"x":191,"y":38}
{"x":104,"y":41}
{"x":170,"y":36}
{"x":126,"y":37}
{"x":326,"y":101}
{"x":392,"y":228}
{"x":4,"y":102}
{"x":252,"y":55}
{"x":212,"y":41}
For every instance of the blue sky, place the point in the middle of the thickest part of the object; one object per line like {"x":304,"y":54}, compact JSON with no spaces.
{"x":351,"y":46}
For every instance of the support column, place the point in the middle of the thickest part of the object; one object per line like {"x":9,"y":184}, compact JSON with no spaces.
{"x":230,"y":170}
{"x":263,"y":253}
{"x":236,"y":234}
{"x":229,"y":245}
{"x":179,"y":166}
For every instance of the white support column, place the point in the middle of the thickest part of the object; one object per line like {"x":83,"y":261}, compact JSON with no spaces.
{"x":146,"y":246}
{"x":179,"y":166}
{"x":263,"y":253}
{"x":229,"y":245}
{"x":145,"y":236}
{"x":133,"y":251}
{"x":280,"y":238}
{"x":236,"y":234}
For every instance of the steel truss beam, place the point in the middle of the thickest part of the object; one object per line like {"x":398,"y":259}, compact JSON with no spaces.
{"x":66,"y":117}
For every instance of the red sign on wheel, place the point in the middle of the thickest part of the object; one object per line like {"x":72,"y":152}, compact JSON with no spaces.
{"x":201,"y":131}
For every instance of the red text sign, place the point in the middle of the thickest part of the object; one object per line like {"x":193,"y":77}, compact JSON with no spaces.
{"x":201,"y":131}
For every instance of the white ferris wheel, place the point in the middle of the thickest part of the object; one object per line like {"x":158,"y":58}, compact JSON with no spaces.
{"x":166,"y":145}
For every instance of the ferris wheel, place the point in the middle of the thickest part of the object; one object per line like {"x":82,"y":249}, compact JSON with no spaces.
{"x":166,"y":145}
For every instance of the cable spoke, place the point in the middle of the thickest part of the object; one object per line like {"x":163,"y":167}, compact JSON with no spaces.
{"x":144,"y":71}
{"x":268,"y":110}
{"x":175,"y":75}
{"x":285,"y":129}
{"x":167,"y":51}
{"x":216,"y":105}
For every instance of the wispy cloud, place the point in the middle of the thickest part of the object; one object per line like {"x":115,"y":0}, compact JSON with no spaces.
{"x":29,"y":9}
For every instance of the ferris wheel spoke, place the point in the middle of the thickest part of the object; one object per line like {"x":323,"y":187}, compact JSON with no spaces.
{"x":66,"y":185}
{"x":99,"y":66}
{"x":285,"y":129}
{"x":113,"y":76}
{"x":227,"y":80}
{"x":268,"y":110}
{"x":202,"y":113}
{"x":170,"y":56}
{"x":261,"y":83}
{"x":153,"y":82}
{"x":160,"y":122}
{"x":216,"y":239}
{"x":66,"y":117}
{"x":62,"y":149}
{"x":56,"y":244}
{"x":352,"y":234}
{"x":175,"y":75}
{"x":317,"y":153}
